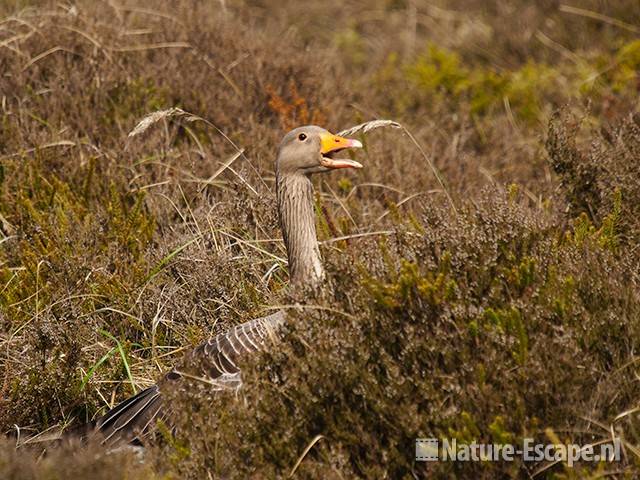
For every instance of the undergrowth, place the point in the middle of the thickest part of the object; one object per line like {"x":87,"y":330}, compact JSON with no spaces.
{"x":514,"y":317}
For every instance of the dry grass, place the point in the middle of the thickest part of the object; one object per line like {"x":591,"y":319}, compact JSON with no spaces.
{"x":154,"y":117}
{"x":482,"y":267}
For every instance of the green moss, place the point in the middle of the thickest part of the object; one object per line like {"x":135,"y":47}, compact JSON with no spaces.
{"x":523,"y":275}
{"x":491,"y":323}
{"x":130,"y":226}
{"x":561,"y":291}
{"x":132,"y":99}
{"x":526,"y":88}
{"x":467,"y":430}
{"x":499,"y":434}
{"x":623,"y":77}
{"x":609,"y":230}
{"x":440,"y":73}
{"x":607,"y":235}
{"x":486,"y":90}
{"x":510,"y":322}
{"x":408,"y":284}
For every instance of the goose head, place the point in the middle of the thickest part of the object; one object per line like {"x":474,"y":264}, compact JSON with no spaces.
{"x":311,"y":149}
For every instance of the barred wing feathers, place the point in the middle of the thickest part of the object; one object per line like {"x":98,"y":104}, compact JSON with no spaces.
{"x":215,"y":362}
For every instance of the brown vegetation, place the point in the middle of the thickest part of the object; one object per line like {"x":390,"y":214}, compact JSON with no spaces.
{"x":516,"y":316}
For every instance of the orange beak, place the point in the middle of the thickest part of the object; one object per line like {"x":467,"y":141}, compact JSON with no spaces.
{"x":330,"y":143}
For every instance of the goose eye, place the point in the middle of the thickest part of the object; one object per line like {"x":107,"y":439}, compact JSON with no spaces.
{"x":302,"y":137}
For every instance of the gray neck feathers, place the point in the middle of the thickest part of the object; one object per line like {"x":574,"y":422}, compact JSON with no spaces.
{"x":297,"y":220}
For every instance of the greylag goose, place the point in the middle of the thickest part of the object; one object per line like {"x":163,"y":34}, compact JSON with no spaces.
{"x":303,"y":151}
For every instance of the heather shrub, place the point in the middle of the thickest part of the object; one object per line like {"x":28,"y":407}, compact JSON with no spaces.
{"x":71,"y":461}
{"x":487,"y":326}
{"x":516,"y":316}
{"x":600,"y":181}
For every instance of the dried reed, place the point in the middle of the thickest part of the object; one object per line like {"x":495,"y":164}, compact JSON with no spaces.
{"x":374,"y":124}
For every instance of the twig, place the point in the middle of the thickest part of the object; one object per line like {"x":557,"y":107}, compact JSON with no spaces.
{"x":304,"y":454}
{"x":598,"y":16}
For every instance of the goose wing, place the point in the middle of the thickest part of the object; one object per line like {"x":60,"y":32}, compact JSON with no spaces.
{"x":214,"y":361}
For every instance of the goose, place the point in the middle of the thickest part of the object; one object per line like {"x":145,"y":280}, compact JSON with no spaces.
{"x":303,"y":152}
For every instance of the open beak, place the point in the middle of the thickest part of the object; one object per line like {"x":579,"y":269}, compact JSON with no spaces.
{"x":330,"y":144}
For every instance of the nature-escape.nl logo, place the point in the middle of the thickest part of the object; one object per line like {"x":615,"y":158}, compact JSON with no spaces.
{"x":434,"y":450}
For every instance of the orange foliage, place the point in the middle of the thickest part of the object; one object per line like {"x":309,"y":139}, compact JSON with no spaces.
{"x":294,"y":110}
